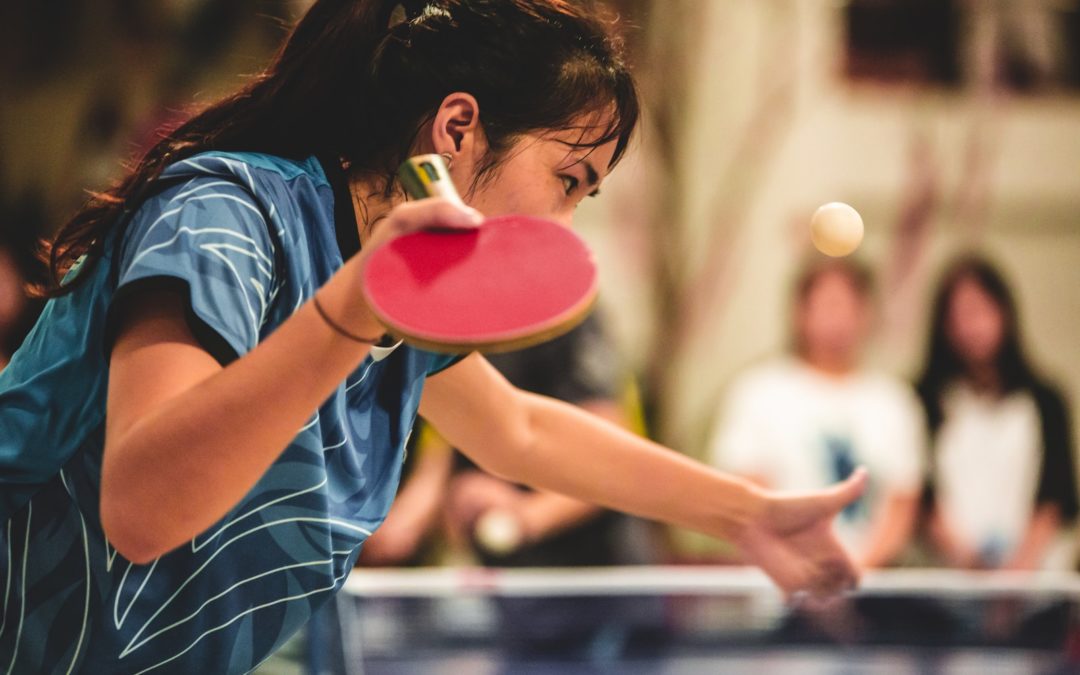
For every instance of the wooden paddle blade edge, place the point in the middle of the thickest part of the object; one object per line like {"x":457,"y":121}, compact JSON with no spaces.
{"x":561,"y":325}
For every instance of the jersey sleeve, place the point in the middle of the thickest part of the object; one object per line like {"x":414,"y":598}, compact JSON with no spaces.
{"x":209,"y":238}
{"x":440,"y":362}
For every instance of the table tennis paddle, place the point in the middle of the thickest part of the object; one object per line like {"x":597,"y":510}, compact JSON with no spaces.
{"x":513,"y":282}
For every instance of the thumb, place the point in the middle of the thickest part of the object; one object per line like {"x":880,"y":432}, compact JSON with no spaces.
{"x":798,"y":511}
{"x":847,"y":491}
{"x":830,"y":501}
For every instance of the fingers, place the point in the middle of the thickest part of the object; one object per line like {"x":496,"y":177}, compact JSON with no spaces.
{"x":434,"y":212}
{"x":823,"y":583}
{"x":808,"y":565}
{"x":827,"y":577}
{"x":836,"y":575}
{"x":790,"y":570}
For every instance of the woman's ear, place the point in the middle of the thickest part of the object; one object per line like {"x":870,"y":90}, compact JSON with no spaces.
{"x":456,"y":130}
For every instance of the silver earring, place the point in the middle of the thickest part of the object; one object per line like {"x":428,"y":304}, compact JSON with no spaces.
{"x":448,"y":158}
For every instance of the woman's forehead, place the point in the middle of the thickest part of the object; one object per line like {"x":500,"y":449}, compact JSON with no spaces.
{"x":568,"y":146}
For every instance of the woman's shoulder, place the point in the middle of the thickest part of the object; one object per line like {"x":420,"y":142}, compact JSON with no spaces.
{"x":249,"y":168}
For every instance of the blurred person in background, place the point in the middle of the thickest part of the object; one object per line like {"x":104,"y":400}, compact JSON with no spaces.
{"x":1002,"y":482}
{"x":13,"y":303}
{"x":444,"y":492}
{"x":580,"y":368}
{"x":18,"y":235}
{"x":410,"y":535}
{"x":804,"y":420}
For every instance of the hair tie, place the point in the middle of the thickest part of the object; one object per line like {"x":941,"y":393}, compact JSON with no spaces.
{"x":398,"y":16}
{"x":411,"y":10}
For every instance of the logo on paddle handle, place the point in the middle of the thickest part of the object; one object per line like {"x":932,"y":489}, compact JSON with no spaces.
{"x":427,"y":176}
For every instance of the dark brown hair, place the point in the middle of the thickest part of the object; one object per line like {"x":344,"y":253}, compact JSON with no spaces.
{"x":943,"y":363}
{"x":357,"y":79}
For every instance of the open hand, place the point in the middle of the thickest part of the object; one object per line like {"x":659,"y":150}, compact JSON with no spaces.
{"x":793,"y":540}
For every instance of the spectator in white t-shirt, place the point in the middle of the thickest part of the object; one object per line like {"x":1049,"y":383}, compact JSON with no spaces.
{"x":1002,"y":479}
{"x":803,"y":421}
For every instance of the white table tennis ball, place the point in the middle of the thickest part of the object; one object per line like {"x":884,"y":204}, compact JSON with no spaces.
{"x":499,"y":532}
{"x":836,"y":229}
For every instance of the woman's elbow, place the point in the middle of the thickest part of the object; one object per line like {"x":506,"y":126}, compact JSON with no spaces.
{"x":127,"y":534}
{"x":131,"y":527}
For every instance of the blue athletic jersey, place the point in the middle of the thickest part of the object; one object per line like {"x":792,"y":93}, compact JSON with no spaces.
{"x":249,"y":238}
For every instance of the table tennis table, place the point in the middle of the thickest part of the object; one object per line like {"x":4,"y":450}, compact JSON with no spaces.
{"x":680,"y":620}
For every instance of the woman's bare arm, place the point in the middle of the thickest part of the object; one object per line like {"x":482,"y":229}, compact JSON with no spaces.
{"x":553,"y":445}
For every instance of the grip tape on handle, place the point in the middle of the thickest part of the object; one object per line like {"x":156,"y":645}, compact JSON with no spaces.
{"x":426,"y":176}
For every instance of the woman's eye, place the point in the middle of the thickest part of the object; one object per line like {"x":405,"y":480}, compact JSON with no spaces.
{"x":569,"y":184}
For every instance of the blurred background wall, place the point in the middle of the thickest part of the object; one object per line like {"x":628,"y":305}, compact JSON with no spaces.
{"x":950,"y":125}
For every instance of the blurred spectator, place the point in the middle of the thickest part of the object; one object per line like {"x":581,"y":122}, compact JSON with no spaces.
{"x":804,"y":421}
{"x":581,"y":368}
{"x":1002,"y":478}
{"x":12,"y":304}
{"x":85,"y":82}
{"x":18,"y":235}
{"x":408,"y":537}
{"x":532,"y":528}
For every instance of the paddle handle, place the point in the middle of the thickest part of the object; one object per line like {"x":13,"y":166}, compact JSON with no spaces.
{"x":427,"y":176}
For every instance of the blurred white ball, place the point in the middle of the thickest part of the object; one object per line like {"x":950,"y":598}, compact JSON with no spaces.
{"x":836,"y":229}
{"x":498,"y":532}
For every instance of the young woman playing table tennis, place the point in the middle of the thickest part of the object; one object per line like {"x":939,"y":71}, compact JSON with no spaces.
{"x":200,"y":432}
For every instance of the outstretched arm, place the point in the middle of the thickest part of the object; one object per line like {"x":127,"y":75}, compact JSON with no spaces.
{"x":552,"y":445}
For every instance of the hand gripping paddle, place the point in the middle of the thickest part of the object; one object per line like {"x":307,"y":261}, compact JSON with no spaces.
{"x":511,"y":283}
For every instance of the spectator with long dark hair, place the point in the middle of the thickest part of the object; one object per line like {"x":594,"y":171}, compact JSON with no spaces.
{"x":1002,"y":479}
{"x":206,"y":424}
